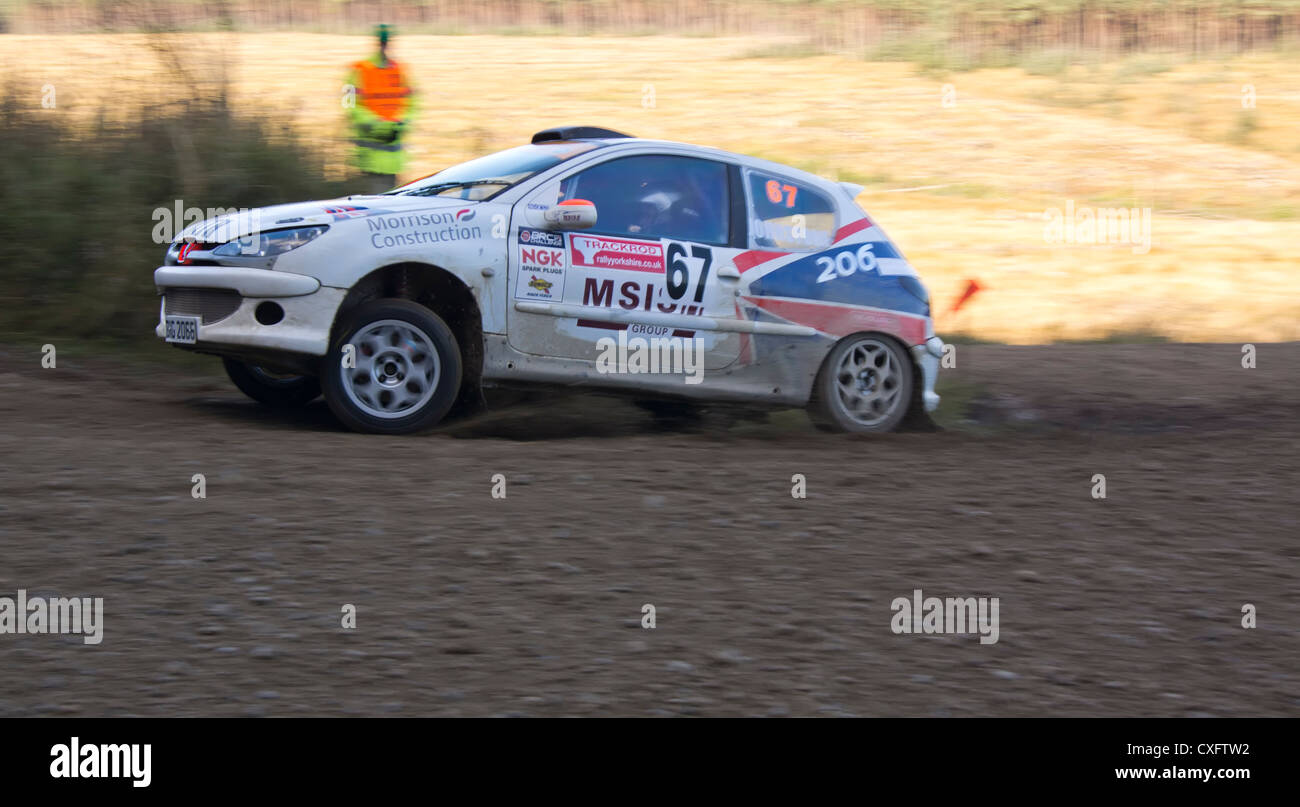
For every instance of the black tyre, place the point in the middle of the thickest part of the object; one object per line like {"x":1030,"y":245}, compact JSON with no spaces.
{"x":273,"y":389}
{"x":864,"y":386}
{"x":402,"y":373}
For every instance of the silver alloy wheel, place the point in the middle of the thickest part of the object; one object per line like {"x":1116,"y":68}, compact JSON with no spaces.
{"x":868,"y":382}
{"x":396,"y":372}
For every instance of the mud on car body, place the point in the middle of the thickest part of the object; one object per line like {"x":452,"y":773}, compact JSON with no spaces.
{"x":512,"y":268}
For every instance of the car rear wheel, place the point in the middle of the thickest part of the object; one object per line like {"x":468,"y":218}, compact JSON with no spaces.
{"x":865,"y":385}
{"x":278,"y":390}
{"x":394,"y":368}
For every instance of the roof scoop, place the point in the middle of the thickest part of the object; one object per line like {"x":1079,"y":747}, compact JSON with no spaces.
{"x":576,"y":133}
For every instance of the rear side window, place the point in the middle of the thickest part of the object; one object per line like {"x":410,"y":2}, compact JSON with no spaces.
{"x":788,"y":215}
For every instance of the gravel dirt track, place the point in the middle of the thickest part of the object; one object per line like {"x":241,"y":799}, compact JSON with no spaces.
{"x":766,"y":605}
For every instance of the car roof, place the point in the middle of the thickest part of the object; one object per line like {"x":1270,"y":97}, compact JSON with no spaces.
{"x":605,"y":138}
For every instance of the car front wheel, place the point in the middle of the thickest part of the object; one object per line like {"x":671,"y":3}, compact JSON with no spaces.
{"x":865,"y":385}
{"x":394,"y":367}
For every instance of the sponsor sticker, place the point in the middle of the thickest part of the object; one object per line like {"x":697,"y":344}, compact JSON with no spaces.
{"x":415,"y":229}
{"x":540,"y":238}
{"x":541,"y":262}
{"x":601,"y":252}
{"x":344,"y":212}
{"x":669,"y":277}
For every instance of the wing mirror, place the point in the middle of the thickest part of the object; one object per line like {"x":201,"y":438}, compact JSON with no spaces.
{"x":572,"y":214}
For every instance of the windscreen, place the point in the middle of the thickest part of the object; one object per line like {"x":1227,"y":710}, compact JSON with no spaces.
{"x":485,"y":177}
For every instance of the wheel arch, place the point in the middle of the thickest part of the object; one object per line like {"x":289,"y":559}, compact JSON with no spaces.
{"x":916,"y":417}
{"x":437,"y":289}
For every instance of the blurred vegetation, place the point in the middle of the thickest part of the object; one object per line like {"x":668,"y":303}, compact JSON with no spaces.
{"x":1247,"y":123}
{"x":76,"y":237}
{"x":939,"y":34}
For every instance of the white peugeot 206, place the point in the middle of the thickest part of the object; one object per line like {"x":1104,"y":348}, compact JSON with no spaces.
{"x":529,"y":265}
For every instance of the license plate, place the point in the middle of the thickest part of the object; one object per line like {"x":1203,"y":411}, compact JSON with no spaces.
{"x":184,"y":330}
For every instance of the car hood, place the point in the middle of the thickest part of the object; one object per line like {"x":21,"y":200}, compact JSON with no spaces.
{"x":238,"y":224}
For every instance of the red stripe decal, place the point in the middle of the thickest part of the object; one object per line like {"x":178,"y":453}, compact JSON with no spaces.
{"x":838,"y":320}
{"x":851,"y":228}
{"x":746,"y":356}
{"x":748,"y":260}
{"x":756,"y":257}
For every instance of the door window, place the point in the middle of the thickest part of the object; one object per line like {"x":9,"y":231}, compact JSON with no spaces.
{"x":656,"y":196}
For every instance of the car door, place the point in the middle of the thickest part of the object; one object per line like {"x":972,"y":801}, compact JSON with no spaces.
{"x":658,"y":262}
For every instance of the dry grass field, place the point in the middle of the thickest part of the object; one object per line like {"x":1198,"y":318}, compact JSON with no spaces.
{"x":959,"y":167}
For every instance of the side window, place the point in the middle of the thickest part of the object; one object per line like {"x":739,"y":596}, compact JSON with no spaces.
{"x":656,"y":196}
{"x":788,"y":215}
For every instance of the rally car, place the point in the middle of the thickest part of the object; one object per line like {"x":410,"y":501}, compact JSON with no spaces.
{"x":539,"y":264}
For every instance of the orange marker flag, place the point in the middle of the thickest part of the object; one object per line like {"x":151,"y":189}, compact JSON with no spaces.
{"x":971,"y":288}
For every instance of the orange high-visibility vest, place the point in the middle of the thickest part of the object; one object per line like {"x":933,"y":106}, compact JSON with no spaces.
{"x":383,"y":90}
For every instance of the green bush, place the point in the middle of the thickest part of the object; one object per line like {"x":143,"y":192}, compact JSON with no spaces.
{"x":76,"y":237}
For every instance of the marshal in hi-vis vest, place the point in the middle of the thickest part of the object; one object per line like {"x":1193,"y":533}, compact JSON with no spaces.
{"x":384,"y":107}
{"x":382,"y":90}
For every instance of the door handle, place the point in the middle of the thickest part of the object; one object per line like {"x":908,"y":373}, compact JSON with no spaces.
{"x":729,"y":273}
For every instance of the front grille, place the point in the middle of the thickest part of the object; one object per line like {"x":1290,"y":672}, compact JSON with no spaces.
{"x":209,"y":305}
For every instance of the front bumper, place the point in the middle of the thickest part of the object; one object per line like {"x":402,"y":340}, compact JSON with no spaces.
{"x":309,"y":309}
{"x":927,"y":357}
{"x":247,"y":281}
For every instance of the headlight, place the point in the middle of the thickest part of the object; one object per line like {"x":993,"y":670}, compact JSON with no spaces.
{"x":263,"y":245}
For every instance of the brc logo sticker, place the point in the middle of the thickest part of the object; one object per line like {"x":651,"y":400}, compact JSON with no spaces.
{"x":540,"y":238}
{"x":599,"y":252}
